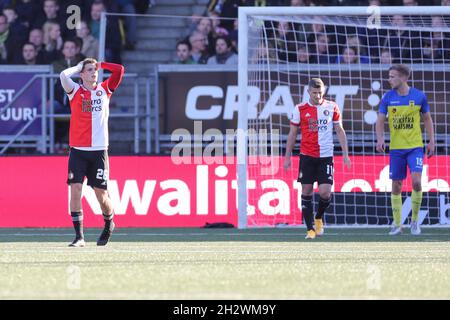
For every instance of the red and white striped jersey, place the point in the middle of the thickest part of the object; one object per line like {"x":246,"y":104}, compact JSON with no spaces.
{"x":316,"y":127}
{"x":89,"y":119}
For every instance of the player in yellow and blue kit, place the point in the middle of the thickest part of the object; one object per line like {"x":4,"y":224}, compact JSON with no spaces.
{"x":403,"y":106}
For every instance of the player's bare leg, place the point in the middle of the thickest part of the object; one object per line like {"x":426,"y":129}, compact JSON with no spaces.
{"x":107,"y":209}
{"x":324,"y":203}
{"x":77,"y":214}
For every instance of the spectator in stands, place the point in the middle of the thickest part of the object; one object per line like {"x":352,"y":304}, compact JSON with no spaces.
{"x":113,"y":39}
{"x":264,"y":54}
{"x":349,"y":55}
{"x":321,"y":52}
{"x":410,"y":3}
{"x":215,"y":23}
{"x":29,"y":55}
{"x":52,"y":40}
{"x":224,"y":54}
{"x":10,"y":44}
{"x":126,"y":6}
{"x":303,"y":54}
{"x":36,"y":37}
{"x":69,"y":59}
{"x":354,"y":42}
{"x":90,"y":44}
{"x":15,"y":26}
{"x":233,"y":35}
{"x":78,"y":45}
{"x":445,"y":2}
{"x":26,"y":10}
{"x":94,"y":23}
{"x":285,"y":42}
{"x":50,"y":12}
{"x":404,"y":44}
{"x":184,"y":53}
{"x":441,"y":40}
{"x":198,"y":44}
{"x":386,"y":57}
{"x":204,"y":26}
{"x":318,"y":28}
{"x":228,"y":9}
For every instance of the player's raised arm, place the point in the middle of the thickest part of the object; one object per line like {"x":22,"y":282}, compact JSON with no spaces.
{"x":67,"y":83}
{"x":117,"y":71}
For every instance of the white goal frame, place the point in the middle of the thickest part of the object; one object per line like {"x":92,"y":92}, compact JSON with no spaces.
{"x":244,"y":14}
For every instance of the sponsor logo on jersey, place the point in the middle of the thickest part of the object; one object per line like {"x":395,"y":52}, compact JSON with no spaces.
{"x":91,"y":105}
{"x":317,"y":125}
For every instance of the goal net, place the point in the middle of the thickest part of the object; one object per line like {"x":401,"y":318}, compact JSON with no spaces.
{"x":350,"y":49}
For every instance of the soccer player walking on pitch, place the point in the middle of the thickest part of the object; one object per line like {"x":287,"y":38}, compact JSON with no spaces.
{"x":88,"y":140}
{"x":403,"y":106}
{"x":316,"y":120}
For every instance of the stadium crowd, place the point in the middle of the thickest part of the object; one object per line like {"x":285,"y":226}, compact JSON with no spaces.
{"x":212,"y":38}
{"x":39,"y":33}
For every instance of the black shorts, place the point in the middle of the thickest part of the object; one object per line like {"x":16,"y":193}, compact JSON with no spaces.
{"x":94,"y":165}
{"x":315,"y":169}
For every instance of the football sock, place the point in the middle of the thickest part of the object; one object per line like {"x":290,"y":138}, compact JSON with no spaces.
{"x":108,"y":218}
{"x":77,"y":220}
{"x":323,"y":205}
{"x":307,"y":211}
{"x":416,"y":201}
{"x":396,"y":201}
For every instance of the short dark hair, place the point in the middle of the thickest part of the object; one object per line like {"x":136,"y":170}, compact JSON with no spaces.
{"x":184,"y":42}
{"x":78,"y":42}
{"x":316,"y":83}
{"x":226,"y":39}
{"x":402,"y":69}
{"x":70,"y":40}
{"x":88,"y":61}
{"x":29,"y":44}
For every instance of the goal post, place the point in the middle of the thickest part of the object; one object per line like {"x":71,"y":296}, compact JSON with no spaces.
{"x":273,"y":72}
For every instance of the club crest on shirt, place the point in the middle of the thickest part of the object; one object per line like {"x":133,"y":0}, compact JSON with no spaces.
{"x":70,"y":175}
{"x":394,"y":110}
{"x":412,"y":103}
{"x":98,"y":93}
{"x":326,"y":113}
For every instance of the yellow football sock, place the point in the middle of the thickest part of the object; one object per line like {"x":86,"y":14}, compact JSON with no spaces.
{"x":396,"y":202}
{"x":416,"y":201}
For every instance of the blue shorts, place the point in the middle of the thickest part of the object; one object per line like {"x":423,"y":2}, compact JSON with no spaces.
{"x":400,"y":158}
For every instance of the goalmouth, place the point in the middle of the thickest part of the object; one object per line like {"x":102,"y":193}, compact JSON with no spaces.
{"x":273,"y":44}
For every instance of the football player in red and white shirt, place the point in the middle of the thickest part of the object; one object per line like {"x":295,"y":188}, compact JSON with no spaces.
{"x":88,"y":140}
{"x":316,"y":120}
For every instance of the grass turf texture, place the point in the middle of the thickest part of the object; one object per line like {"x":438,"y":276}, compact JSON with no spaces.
{"x":225,"y":264}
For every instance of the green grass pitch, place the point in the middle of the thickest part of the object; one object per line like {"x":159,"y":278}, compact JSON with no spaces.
{"x":226,"y":264}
